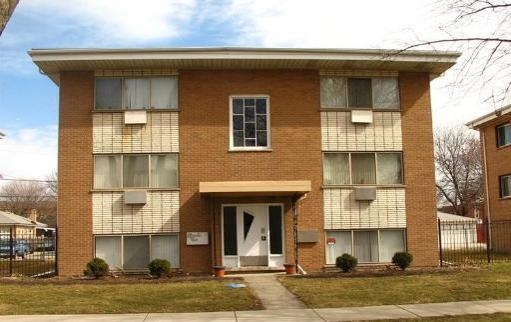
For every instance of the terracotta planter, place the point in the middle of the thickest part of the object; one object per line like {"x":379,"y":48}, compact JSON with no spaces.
{"x":290,"y":269}
{"x":219,"y":271}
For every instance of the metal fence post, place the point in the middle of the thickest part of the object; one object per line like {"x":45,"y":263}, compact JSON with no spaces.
{"x":488,"y":242}
{"x":11,"y":250}
{"x":56,"y":252}
{"x":440,"y":243}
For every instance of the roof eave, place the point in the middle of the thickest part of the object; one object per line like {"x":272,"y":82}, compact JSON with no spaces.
{"x":487,"y":118}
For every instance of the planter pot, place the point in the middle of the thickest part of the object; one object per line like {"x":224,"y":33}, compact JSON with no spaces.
{"x":219,"y":271}
{"x":290,"y":269}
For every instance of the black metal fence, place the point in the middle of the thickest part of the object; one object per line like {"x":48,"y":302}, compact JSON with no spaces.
{"x":471,"y":241}
{"x":25,"y":252}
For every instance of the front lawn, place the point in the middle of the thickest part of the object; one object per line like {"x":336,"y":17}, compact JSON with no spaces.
{"x":97,"y":297}
{"x":341,"y":290}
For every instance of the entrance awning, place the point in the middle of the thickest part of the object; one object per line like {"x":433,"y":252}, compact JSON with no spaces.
{"x":254,"y":188}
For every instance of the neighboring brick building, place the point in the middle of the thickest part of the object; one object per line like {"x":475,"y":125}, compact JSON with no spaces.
{"x":209,"y":156}
{"x":495,"y":131}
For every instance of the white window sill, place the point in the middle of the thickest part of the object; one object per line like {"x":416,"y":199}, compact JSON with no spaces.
{"x":250,"y":150}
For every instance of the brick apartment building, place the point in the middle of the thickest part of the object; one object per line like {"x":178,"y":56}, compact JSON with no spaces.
{"x":495,"y":132}
{"x":244,"y":157}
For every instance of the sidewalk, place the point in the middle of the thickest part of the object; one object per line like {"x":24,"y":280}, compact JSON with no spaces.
{"x":409,"y":311}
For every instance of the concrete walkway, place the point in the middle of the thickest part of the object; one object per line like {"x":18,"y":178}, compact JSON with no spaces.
{"x":272,"y":294}
{"x":411,"y":311}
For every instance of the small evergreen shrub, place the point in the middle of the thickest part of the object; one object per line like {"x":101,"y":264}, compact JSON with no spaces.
{"x":402,"y":259}
{"x":96,"y":268}
{"x":158,"y":267}
{"x":346,"y":262}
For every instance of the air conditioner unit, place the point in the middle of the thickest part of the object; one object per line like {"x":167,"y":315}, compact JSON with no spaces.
{"x":135,"y":197}
{"x":365,"y":193}
{"x":135,"y":117}
{"x":362,"y":116}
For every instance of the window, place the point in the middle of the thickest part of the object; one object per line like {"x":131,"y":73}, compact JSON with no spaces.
{"x":136,"y":171}
{"x":115,"y":93}
{"x":249,"y":124}
{"x":383,"y":168}
{"x":359,"y":92}
{"x":135,"y":251}
{"x":368,"y":246}
{"x":505,"y":186}
{"x":504,"y":135}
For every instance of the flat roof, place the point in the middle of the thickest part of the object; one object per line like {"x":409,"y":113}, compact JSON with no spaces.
{"x":53,"y":61}
{"x":481,"y":121}
{"x":255,"y":188}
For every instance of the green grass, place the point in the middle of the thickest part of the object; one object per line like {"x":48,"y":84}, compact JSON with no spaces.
{"x":339,"y":291}
{"x":477,"y":317}
{"x":94,"y":297}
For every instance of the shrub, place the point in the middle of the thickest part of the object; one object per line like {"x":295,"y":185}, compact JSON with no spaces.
{"x":346,"y":262}
{"x":158,"y":267}
{"x":96,"y":267}
{"x":402,"y":259}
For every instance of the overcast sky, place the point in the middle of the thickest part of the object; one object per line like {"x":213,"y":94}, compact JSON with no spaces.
{"x":29,"y":100}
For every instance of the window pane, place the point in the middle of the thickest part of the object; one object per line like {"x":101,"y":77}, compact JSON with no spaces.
{"x":261,"y":106}
{"x":107,"y":171}
{"x":164,"y":92}
{"x":230,"y":238}
{"x":237,"y":121}
{"x":250,"y":142}
{"x":136,"y":252}
{"x":249,"y":114}
{"x":389,"y":168}
{"x":365,"y":246}
{"x":385,"y":92}
{"x":238,"y":138}
{"x":237,"y":106}
{"x":108,"y":93}
{"x":333,"y":91}
{"x":504,"y":135}
{"x":249,"y":102}
{"x":359,"y":92}
{"x":275,"y":229}
{"x":391,"y":241}
{"x":165,"y":247}
{"x":505,"y":186}
{"x":108,"y":248}
{"x":261,"y":138}
{"x":136,"y":93}
{"x":336,"y":168}
{"x":250,"y":130}
{"x":136,"y":172}
{"x":362,"y":168}
{"x":261,"y":122}
{"x":337,"y":243}
{"x":164,"y":171}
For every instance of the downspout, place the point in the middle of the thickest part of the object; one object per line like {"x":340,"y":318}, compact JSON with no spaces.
{"x":488,"y":216}
{"x":296,"y":213}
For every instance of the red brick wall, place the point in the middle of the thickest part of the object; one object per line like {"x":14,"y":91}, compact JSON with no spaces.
{"x":75,"y":172}
{"x":204,"y":145}
{"x":498,"y":163}
{"x":419,"y":168}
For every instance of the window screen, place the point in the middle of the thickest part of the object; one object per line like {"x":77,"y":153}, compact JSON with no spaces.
{"x":164,"y":171}
{"x":230,"y":237}
{"x":389,"y":168}
{"x":333,"y":91}
{"x":137,"y":93}
{"x":275,"y":229}
{"x":504,"y":135}
{"x":164,"y":92}
{"x":165,"y":247}
{"x":136,"y":172}
{"x":385,"y":92}
{"x":337,"y":243}
{"x":505,"y":186}
{"x":136,"y":252}
{"x":365,"y":246}
{"x":359,"y":92}
{"x":391,"y":241}
{"x":107,"y":171}
{"x":108,"y":93}
{"x":363,"y":168}
{"x":336,"y":169}
{"x":108,"y":248}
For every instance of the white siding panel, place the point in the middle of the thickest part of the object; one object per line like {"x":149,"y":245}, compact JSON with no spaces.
{"x":159,"y":135}
{"x":342,"y":211}
{"x":111,"y":216}
{"x":340,"y":134}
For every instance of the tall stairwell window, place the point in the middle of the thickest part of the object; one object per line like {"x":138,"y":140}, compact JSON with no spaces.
{"x":249,"y":122}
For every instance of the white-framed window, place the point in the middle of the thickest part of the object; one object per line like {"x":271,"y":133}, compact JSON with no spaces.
{"x":136,"y":251}
{"x":504,"y":135}
{"x":119,"y":93}
{"x":249,"y":122}
{"x":505,"y":186}
{"x":358,"y":168}
{"x":136,"y":171}
{"x":368,"y":246}
{"x":359,"y":92}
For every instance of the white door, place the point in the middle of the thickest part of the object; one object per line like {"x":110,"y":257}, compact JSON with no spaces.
{"x":253,"y":235}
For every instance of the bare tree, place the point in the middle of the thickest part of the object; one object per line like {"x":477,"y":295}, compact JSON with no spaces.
{"x":459,"y":168}
{"x":6,"y":9}
{"x":20,"y":197}
{"x":486,"y":60}
{"x":52,"y":182}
